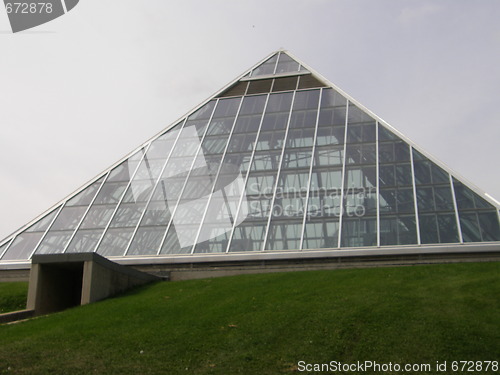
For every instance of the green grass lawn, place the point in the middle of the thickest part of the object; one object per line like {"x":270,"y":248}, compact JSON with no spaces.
{"x":13,"y":296}
{"x":266,"y":324}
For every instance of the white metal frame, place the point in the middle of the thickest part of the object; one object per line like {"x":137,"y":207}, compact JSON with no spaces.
{"x":344,"y":157}
{"x":313,"y":153}
{"x":174,"y":210}
{"x":59,"y":205}
{"x":118,"y":205}
{"x":457,"y":214}
{"x":278,"y":174}
{"x":414,"y":187}
{"x":212,"y":190}
{"x":378,"y":183}
{"x":252,"y":155}
{"x":86,"y":212}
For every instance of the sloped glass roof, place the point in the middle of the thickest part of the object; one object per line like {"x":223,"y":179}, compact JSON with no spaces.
{"x":280,"y":160}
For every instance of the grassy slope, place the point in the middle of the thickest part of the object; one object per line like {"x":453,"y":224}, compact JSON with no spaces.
{"x":13,"y":296}
{"x":265,"y":324}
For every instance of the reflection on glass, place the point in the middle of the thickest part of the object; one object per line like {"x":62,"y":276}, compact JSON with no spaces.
{"x":284,"y":235}
{"x":320,"y":234}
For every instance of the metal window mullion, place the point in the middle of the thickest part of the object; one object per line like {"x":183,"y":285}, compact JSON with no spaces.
{"x":414,"y":185}
{"x":122,"y":196}
{"x":8,"y":245}
{"x":248,"y":172}
{"x":154,"y":187}
{"x":187,"y":177}
{"x":455,"y":206}
{"x":46,"y":230}
{"x":341,"y":212}
{"x":212,"y":190}
{"x":377,"y":187}
{"x":308,"y":193}
{"x":276,"y":64}
{"x":86,"y":212}
{"x":278,"y":175}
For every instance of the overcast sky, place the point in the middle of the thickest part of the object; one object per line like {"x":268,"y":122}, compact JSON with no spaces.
{"x":82,"y":91}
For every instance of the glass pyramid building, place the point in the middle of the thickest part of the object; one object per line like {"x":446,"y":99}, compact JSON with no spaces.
{"x":279,"y":161}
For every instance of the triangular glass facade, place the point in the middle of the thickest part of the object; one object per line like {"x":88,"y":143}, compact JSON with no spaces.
{"x":279,"y":160}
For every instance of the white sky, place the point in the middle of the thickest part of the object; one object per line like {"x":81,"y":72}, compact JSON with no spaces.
{"x":80,"y":92}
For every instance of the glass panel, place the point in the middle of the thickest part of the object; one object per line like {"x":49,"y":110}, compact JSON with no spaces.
{"x":220,"y":214}
{"x":394,"y":152}
{"x":3,"y":248}
{"x":490,"y":228}
{"x":260,"y":86}
{"x":285,"y":84}
{"x":324,"y":205}
{"x":137,"y":195}
{"x":284,"y":235}
{"x":448,"y":231}
{"x":357,"y":115}
{"x":385,"y":134}
{"x":395,"y":201}
{"x":360,"y":177}
{"x":434,"y":195}
{"x":251,"y":106}
{"x":84,"y":241}
{"x":184,"y":158}
{"x":435,"y":199}
{"x":99,"y":214}
{"x":265,"y":68}
{"x":360,"y":203}
{"x":115,"y":241}
{"x":54,"y":242}
{"x":330,"y":136}
{"x":400,"y":230}
{"x":321,"y":234}
{"x":85,"y":197}
{"x":300,"y":138}
{"x":238,"y":89}
{"x":329,"y":156}
{"x":438,"y":228}
{"x":470,"y":228}
{"x":428,"y":229}
{"x":23,"y":246}
{"x":397,"y":226}
{"x":42,"y":224}
{"x":265,"y":161}
{"x":260,"y":185}
{"x":286,"y":64}
{"x":467,"y":199}
{"x":357,"y":231}
{"x":293,"y":159}
{"x":309,"y":81}
{"x":66,"y":221}
{"x":328,"y":179}
{"x":426,"y":172}
{"x":147,"y":241}
{"x":248,"y":236}
{"x":26,"y":242}
{"x":357,"y":133}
